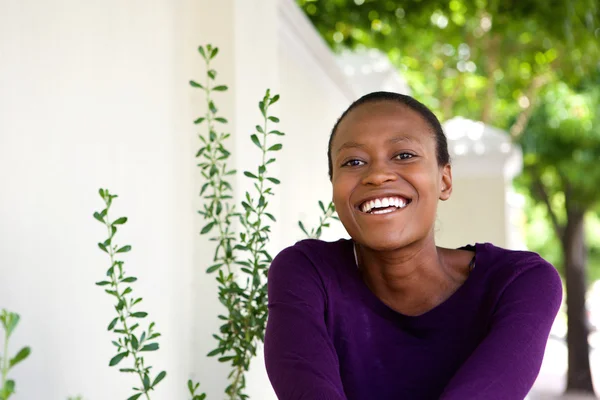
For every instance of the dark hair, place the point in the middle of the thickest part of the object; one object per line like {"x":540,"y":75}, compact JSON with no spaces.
{"x":443,"y":157}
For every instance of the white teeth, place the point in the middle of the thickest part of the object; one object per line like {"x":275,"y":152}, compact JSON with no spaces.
{"x":384,"y":203}
{"x":384,"y":211}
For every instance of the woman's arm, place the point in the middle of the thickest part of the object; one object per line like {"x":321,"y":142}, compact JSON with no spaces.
{"x":301,"y":360}
{"x":506,"y":363}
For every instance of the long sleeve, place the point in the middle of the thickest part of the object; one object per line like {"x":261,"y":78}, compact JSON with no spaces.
{"x":506,"y":363}
{"x":301,"y":360}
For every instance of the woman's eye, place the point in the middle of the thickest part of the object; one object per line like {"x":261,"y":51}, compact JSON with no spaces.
{"x":404,"y":156}
{"x":353,"y":163}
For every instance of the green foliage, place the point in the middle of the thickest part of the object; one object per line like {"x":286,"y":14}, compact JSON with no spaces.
{"x":474,"y":58}
{"x":9,"y":321}
{"x":243,"y":295}
{"x":193,"y":387}
{"x":327,"y":214}
{"x":561,"y":146}
{"x":130,"y":342}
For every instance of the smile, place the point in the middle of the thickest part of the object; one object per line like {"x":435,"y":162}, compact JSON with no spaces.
{"x":383,"y":205}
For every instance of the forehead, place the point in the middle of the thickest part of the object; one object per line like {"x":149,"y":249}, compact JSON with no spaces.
{"x":380,"y":119}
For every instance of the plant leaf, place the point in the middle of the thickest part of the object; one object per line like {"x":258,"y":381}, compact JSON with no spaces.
{"x":124,"y":249}
{"x":139,"y":314}
{"x":207,"y":228}
{"x":150,"y":347}
{"x":21,"y":355}
{"x":220,"y":88}
{"x":113,"y":323}
{"x":276,"y":147}
{"x":135,"y":396}
{"x":159,"y":378}
{"x":196,"y":85}
{"x":117,"y":359}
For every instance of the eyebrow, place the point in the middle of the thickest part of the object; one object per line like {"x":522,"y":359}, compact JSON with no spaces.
{"x":351,"y":145}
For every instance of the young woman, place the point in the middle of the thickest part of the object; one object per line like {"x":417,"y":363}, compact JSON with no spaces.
{"x":388,"y":314}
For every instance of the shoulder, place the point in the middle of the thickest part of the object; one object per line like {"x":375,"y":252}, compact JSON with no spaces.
{"x":525,"y":270}
{"x":311,"y":255}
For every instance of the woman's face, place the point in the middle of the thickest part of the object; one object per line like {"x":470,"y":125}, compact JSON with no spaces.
{"x":386,"y":179}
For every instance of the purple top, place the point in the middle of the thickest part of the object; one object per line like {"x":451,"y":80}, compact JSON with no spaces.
{"x":330,"y":338}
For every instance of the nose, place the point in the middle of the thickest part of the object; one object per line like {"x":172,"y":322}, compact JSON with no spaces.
{"x":378,"y":173}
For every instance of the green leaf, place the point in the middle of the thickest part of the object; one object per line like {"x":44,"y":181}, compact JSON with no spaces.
{"x":21,"y":355}
{"x":139,"y":314}
{"x":120,"y":221}
{"x":135,"y":396}
{"x":214,"y":53}
{"x":212,"y":73}
{"x":199,"y":120}
{"x":260,"y":129}
{"x":256,"y":141}
{"x":221,"y":120}
{"x":117,"y":359}
{"x":250,"y":175}
{"x":127,"y":370}
{"x":196,"y":85}
{"x":276,"y":132}
{"x":276,"y":147}
{"x":301,"y":225}
{"x":214,"y":353}
{"x":129,"y":280}
{"x":150,"y":347}
{"x":274,"y":99}
{"x":134,"y":342}
{"x":124,"y":249}
{"x":213,"y":268}
{"x":201,"y":51}
{"x":146,"y":382}
{"x":321,"y":206}
{"x":207,"y":228}
{"x":220,"y":88}
{"x":274,"y":180}
{"x":225,"y":359}
{"x":159,"y":378}
{"x":274,"y":119}
{"x":212,"y":107}
{"x":112,"y":324}
{"x":103,"y":283}
{"x":271,"y":217}
{"x":99,"y":217}
{"x":103,"y":247}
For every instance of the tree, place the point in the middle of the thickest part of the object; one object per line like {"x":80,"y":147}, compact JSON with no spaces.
{"x":561,"y":146}
{"x":490,"y":60}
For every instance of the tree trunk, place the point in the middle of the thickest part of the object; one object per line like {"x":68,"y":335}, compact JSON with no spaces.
{"x":579,"y":377}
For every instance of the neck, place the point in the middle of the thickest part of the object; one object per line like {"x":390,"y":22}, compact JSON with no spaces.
{"x":412,"y":278}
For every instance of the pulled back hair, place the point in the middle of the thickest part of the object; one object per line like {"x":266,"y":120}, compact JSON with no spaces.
{"x":443,"y":157}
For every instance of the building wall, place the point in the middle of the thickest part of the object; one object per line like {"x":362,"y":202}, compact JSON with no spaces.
{"x":95,"y":94}
{"x":474,"y":212}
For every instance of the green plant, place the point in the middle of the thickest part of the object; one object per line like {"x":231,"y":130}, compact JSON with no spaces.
{"x":193,"y":387}
{"x":328,"y":213}
{"x":125,"y":324}
{"x":243,"y":296}
{"x":9,"y":322}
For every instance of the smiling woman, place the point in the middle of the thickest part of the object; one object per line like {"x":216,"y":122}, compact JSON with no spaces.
{"x":388,"y":314}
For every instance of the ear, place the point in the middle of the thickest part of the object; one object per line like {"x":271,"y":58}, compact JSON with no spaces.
{"x":446,"y":182}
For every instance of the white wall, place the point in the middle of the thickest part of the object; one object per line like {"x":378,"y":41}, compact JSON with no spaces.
{"x":94,"y":94}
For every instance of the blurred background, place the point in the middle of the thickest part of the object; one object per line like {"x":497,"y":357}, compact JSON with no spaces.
{"x":95,"y":94}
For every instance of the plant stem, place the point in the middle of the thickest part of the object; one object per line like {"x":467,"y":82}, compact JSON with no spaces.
{"x":5,"y":361}
{"x":255,"y":253}
{"x":122,"y":315}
